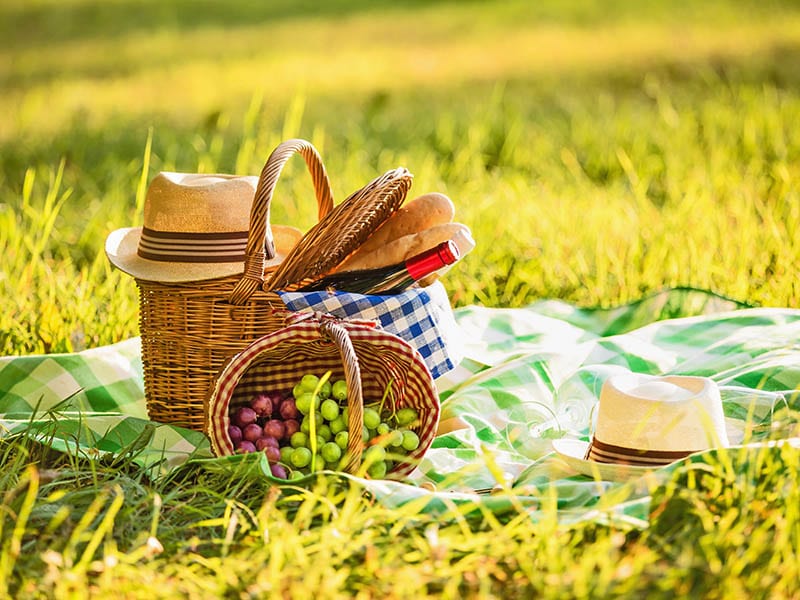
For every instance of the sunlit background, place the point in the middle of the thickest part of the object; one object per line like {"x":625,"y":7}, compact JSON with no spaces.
{"x":598,"y":150}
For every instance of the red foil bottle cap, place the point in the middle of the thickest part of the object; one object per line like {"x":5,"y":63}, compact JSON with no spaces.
{"x":432,"y":260}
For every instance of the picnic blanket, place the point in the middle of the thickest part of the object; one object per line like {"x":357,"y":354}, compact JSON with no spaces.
{"x":529,"y":375}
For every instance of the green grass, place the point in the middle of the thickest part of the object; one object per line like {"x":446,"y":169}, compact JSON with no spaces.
{"x":598,"y":152}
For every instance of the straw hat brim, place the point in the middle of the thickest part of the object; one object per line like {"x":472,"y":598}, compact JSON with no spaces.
{"x":122,"y":250}
{"x":573,"y":451}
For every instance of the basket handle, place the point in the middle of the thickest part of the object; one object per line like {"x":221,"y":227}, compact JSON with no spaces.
{"x":260,"y":244}
{"x":355,"y":399}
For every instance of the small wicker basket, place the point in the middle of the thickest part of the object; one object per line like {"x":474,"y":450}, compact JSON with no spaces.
{"x":189,"y":330}
{"x":369,"y":359}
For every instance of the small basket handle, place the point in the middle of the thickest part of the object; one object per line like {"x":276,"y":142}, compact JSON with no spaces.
{"x":260,"y":244}
{"x":355,"y":399}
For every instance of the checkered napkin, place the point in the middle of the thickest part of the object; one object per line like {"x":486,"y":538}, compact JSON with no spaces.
{"x":421,"y":316}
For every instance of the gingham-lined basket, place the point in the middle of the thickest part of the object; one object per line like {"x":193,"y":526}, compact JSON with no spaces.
{"x":189,"y":330}
{"x":369,"y":359}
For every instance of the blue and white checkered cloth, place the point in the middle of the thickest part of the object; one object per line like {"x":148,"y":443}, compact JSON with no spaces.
{"x":420,"y":316}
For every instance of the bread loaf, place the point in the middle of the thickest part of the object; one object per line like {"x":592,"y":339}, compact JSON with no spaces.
{"x":416,"y":215}
{"x":405,"y":247}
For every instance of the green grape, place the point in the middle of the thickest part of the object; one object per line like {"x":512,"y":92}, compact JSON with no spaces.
{"x":296,"y":474}
{"x":395,"y":438}
{"x":299,"y":439}
{"x":371,"y":418}
{"x":346,"y":413}
{"x":329,"y":410}
{"x":286,"y":453}
{"x":382,"y":429}
{"x":377,"y":470}
{"x":331,"y":452}
{"x":406,"y":416}
{"x":321,"y":441}
{"x":325,"y":433}
{"x":364,"y":434}
{"x":341,"y":439}
{"x":303,"y":402}
{"x":325,"y":390}
{"x":410,"y":440}
{"x":374,"y":454}
{"x":309,"y":382}
{"x":301,"y":457}
{"x":339,"y":389}
{"x":305,"y":424}
{"x":297,"y":391}
{"x":337,"y":425}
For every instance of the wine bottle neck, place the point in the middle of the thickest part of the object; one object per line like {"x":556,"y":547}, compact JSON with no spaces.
{"x":432,"y":260}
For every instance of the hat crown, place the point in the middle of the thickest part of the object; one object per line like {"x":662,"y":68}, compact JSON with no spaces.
{"x":671,"y":415}
{"x":195,"y":227}
{"x":196,"y":203}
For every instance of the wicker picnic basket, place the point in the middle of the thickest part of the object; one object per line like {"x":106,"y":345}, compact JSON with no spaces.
{"x":369,"y":359}
{"x":190,"y":329}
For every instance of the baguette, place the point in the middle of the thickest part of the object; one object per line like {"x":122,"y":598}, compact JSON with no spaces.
{"x":405,"y":247}
{"x":417,"y":215}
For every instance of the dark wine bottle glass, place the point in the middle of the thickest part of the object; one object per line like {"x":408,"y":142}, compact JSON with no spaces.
{"x":392,"y":279}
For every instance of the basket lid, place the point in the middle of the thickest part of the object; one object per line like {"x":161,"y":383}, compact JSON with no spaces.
{"x":342,"y":230}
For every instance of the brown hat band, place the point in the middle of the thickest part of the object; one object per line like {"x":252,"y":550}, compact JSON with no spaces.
{"x":188,"y":247}
{"x":609,"y":453}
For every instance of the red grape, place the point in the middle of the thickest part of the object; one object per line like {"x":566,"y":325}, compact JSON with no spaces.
{"x":263,"y":442}
{"x":262,"y":404}
{"x":244,"y":447}
{"x":273,"y":454}
{"x":288,"y":409}
{"x":252,"y":432}
{"x":243,"y":416}
{"x":278,"y":471}
{"x":276,"y":398}
{"x":291,"y":426}
{"x":275,"y":428}
{"x":235,"y":433}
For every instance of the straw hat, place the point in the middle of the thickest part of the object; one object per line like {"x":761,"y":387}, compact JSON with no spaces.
{"x":645,"y":422}
{"x":195,"y":228}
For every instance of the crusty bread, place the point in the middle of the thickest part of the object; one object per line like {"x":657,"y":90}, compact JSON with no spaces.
{"x":416,"y":215}
{"x":405,"y":247}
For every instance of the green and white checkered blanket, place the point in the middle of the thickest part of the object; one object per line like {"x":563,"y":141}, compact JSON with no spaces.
{"x":530,"y":375}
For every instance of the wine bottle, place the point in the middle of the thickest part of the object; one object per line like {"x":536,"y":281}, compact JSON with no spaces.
{"x":391,"y":279}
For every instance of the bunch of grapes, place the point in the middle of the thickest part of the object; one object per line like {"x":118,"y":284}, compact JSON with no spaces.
{"x":307,"y":429}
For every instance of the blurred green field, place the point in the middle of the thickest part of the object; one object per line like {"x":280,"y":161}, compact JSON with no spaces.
{"x":639,"y":147}
{"x":599,"y":151}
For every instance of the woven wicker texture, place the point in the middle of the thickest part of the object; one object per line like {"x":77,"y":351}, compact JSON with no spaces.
{"x":342,"y":231}
{"x":260,"y":245}
{"x":368,"y":359}
{"x":189,"y":330}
